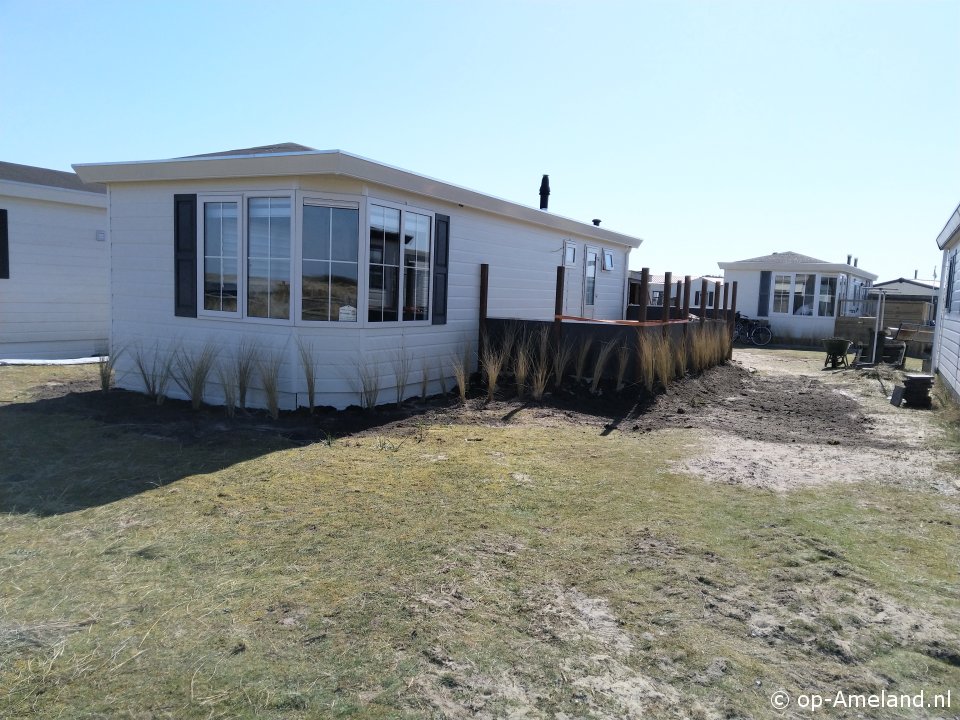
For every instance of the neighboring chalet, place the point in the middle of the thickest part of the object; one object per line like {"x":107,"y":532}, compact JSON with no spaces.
{"x":946,"y":343}
{"x":802,"y":297}
{"x":909,"y":301}
{"x":364,"y":263}
{"x":54,"y":264}
{"x":655,"y":289}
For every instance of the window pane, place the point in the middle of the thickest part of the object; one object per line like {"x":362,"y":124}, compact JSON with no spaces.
{"x":590,"y":280}
{"x":343,"y":291}
{"x":345,"y":234}
{"x":316,"y":232}
{"x":781,"y":294}
{"x":220,"y":231}
{"x":268,"y":290}
{"x":316,"y":290}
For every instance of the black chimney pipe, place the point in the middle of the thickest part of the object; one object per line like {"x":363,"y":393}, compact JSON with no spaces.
{"x":544,"y":191}
{"x":596,"y":221}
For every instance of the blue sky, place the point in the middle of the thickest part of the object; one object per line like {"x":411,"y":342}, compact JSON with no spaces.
{"x":715,"y":130}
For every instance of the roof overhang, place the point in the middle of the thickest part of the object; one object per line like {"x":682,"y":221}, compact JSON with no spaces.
{"x":47,"y":193}
{"x":800,"y":267}
{"x":951,"y":231}
{"x":336,"y":163}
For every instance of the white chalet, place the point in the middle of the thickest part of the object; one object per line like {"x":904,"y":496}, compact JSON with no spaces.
{"x":946,"y":342}
{"x":54,"y":264}
{"x":285,"y":245}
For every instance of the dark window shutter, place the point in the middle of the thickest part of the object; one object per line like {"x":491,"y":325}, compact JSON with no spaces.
{"x":763,"y":302}
{"x":441,"y":261}
{"x":950,"y":271}
{"x":185,"y":255}
{"x":4,"y":247}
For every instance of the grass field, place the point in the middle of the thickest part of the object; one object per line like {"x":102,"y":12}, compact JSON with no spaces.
{"x":445,"y":571}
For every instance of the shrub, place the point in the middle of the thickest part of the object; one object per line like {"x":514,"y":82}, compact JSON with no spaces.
{"x":191,"y":372}
{"x":369,"y":376}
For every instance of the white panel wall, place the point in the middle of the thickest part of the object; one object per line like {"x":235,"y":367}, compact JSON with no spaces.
{"x":946,"y":360}
{"x":523,"y":259}
{"x":56,"y":302}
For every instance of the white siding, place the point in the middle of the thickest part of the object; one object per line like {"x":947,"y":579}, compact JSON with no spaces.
{"x":809,"y":327}
{"x":946,"y":359}
{"x":56,"y":302}
{"x":523,"y":259}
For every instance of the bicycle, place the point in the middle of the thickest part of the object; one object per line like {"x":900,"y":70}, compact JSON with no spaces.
{"x":747,"y":330}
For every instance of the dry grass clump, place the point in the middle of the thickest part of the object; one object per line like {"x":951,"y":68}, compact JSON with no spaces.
{"x":191,"y":371}
{"x":522,"y":361}
{"x":583,"y":353}
{"x":600,"y":364}
{"x":105,"y":365}
{"x":156,"y":370}
{"x":663,"y":361}
{"x":227,"y":376}
{"x":401,"y":362}
{"x":461,"y":364}
{"x":424,"y":376}
{"x":678,"y":349}
{"x":246,"y":362}
{"x":709,"y":345}
{"x":492,"y":359}
{"x":646,"y":351}
{"x":623,"y":362}
{"x":269,"y":366}
{"x":561,"y":360}
{"x":308,"y":362}
{"x":368,"y":373}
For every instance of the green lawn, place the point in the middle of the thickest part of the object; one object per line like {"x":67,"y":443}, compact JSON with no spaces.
{"x":445,"y":571}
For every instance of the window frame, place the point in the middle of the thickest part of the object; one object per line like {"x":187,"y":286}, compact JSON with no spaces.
{"x":569,"y":245}
{"x":335,"y":201}
{"x":404,"y":208}
{"x":202,"y":200}
{"x":607,"y":259}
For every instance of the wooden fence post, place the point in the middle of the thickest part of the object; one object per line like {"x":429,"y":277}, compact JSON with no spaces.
{"x":644,"y":293}
{"x":558,"y":309}
{"x":716,"y":300}
{"x":484,"y":296}
{"x":686,"y":303}
{"x":733,"y":314}
{"x":665,"y":318}
{"x":703,"y":300}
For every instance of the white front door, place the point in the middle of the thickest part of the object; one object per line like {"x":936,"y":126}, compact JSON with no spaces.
{"x":590,"y":281}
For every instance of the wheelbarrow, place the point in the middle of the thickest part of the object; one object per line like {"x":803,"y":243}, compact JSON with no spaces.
{"x":837,"y":349}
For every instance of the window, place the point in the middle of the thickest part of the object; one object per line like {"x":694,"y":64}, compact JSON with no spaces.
{"x":781,"y":293}
{"x":569,"y":253}
{"x":608,"y":260}
{"x":827,"y":304}
{"x":656,"y":297}
{"x":803,"y":294}
{"x":590,"y":278}
{"x":950,"y":270}
{"x":387,"y":287}
{"x":221,"y":255}
{"x":330,"y":264}
{"x":268,"y":257}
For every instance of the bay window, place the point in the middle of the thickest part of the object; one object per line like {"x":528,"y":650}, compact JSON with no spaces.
{"x":828,"y":297}
{"x":804,"y":285}
{"x":805,"y":294}
{"x":781,"y":294}
{"x":248,"y":244}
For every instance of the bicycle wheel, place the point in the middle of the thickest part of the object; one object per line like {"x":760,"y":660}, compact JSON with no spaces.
{"x":761,"y":335}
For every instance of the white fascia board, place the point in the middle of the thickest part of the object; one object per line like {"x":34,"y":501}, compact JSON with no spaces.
{"x":335,"y":162}
{"x":800,"y":267}
{"x":951,"y":231}
{"x":46,"y":193}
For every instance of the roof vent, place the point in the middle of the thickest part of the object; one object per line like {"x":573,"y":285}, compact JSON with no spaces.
{"x":855,"y":260}
{"x":544,"y":191}
{"x":596,"y":221}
